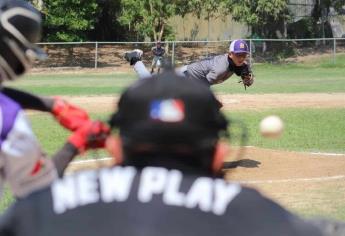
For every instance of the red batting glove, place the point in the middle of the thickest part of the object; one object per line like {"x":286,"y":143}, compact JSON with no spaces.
{"x":91,"y":135}
{"x":68,"y":115}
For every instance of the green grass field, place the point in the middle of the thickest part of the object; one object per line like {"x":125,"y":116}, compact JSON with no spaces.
{"x":321,"y":77}
{"x":290,"y":79}
{"x":74,"y":84}
{"x":312,"y":130}
{"x":307,"y":130}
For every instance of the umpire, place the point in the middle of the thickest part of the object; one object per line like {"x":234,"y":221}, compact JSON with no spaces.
{"x":168,"y":180}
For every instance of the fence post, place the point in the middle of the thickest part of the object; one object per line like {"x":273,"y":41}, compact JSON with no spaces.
{"x":250,"y":52}
{"x":334,"y":50}
{"x":173,"y":53}
{"x":96,"y":55}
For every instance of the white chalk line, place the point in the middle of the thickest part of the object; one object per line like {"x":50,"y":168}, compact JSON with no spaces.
{"x":315,"y":179}
{"x":327,"y":154}
{"x":91,"y":161}
{"x":311,"y":153}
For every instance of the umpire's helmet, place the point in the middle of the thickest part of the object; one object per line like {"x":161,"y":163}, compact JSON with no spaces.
{"x":20,"y":29}
{"x":169,"y":113}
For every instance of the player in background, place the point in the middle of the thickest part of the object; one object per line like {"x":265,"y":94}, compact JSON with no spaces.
{"x":23,"y":164}
{"x":168,"y":182}
{"x":210,"y":71}
{"x":158,"y":53}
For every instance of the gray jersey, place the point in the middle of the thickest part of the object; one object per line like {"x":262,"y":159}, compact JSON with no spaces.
{"x":215,"y":70}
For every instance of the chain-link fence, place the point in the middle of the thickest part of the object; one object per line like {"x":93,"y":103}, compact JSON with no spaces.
{"x":110,"y":54}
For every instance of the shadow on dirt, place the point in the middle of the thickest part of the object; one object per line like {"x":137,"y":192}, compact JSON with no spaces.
{"x":247,"y":163}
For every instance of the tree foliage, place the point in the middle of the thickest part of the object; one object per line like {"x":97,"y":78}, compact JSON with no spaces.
{"x":200,"y":8}
{"x":69,"y":20}
{"x":107,"y":27}
{"x":102,"y":20}
{"x":321,"y":16}
{"x":267,"y":18}
{"x":148,"y":18}
{"x":322,"y":8}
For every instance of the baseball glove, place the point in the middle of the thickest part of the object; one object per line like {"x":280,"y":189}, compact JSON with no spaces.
{"x":247,"y":79}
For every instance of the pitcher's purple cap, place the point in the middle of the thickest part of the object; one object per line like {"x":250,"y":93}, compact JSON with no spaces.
{"x":239,"y":46}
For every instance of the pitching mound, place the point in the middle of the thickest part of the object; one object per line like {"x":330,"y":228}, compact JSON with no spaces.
{"x":260,"y":166}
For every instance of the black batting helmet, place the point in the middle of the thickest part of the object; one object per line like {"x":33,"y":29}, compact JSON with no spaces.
{"x":20,"y":29}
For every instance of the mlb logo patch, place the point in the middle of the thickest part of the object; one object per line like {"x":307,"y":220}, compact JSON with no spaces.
{"x":168,"y":110}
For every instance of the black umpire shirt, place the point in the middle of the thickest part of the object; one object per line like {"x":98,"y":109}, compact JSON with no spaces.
{"x":154,"y":201}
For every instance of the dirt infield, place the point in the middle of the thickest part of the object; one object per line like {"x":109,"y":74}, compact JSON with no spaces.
{"x":235,"y":101}
{"x":259,"y":166}
{"x":296,"y":180}
{"x":292,"y":178}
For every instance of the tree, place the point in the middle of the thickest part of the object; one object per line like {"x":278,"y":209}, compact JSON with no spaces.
{"x":69,"y":20}
{"x":148,"y":18}
{"x":321,"y":13}
{"x":206,"y":8}
{"x":267,"y":18}
{"x":107,"y":27}
{"x":38,"y":4}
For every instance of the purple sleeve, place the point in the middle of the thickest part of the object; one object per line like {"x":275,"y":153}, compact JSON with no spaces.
{"x":8,"y":112}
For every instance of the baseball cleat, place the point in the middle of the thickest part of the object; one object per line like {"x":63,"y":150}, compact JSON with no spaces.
{"x":133,"y":56}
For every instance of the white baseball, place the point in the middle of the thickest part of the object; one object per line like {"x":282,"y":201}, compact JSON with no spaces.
{"x":271,"y":126}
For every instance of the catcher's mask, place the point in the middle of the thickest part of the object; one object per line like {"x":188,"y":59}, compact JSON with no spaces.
{"x":20,"y":29}
{"x":169,"y":115}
